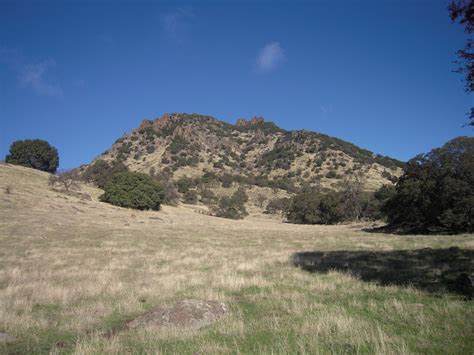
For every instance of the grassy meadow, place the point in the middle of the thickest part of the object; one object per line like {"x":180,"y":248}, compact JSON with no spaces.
{"x":73,"y":270}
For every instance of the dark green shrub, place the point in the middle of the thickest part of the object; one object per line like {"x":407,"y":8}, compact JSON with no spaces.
{"x":277,"y":205}
{"x":184,"y":184}
{"x":133,"y":190}
{"x":190,"y":197}
{"x":208,"y":196}
{"x":101,"y":171}
{"x":436,"y":191}
{"x":231,"y":207}
{"x":331,"y":174}
{"x":310,"y":206}
{"x":150,"y":149}
{"x":34,"y":153}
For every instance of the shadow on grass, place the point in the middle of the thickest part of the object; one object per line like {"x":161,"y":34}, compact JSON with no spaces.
{"x":432,"y":270}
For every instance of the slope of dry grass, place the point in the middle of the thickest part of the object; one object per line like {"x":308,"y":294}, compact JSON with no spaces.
{"x":71,"y":270}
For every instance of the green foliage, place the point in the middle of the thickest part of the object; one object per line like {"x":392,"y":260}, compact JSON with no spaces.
{"x":231,"y":207}
{"x":34,"y":153}
{"x":184,"y":184}
{"x":178,"y":144}
{"x":190,"y":197}
{"x":278,"y":205}
{"x":133,"y":190}
{"x":331,"y":174}
{"x":436,"y":191}
{"x":208,"y":196}
{"x":101,"y":172}
{"x":150,"y":148}
{"x":310,"y":206}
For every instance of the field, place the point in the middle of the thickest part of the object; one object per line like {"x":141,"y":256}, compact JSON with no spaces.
{"x":72,"y":271}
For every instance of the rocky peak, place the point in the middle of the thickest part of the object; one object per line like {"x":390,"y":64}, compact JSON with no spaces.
{"x":255,"y":121}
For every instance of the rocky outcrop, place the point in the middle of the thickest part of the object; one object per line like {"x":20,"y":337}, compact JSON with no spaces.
{"x":189,"y":313}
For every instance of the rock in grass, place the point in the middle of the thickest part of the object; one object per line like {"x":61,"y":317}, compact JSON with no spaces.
{"x":6,"y":338}
{"x":189,"y":313}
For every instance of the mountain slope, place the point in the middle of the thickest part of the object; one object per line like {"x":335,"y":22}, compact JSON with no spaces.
{"x":257,"y":151}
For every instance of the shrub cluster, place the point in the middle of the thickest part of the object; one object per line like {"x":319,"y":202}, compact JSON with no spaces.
{"x":133,"y":190}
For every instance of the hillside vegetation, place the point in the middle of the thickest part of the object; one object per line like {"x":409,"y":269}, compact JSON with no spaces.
{"x":254,"y":152}
{"x":74,"y":269}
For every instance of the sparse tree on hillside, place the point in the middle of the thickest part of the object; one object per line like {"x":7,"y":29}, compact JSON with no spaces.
{"x":69,"y":180}
{"x":34,"y":153}
{"x":261,"y":199}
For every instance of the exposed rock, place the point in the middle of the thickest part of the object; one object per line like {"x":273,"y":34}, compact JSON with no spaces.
{"x":145,"y":123}
{"x":253,"y":122}
{"x":6,"y":338}
{"x":188,"y":313}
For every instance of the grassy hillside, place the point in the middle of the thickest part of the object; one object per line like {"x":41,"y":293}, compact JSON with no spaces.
{"x":191,"y":144}
{"x":73,"y":269}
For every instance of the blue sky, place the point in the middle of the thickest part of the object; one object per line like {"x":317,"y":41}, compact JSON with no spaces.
{"x":376,"y":73}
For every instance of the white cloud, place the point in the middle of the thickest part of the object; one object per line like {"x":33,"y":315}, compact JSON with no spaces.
{"x":175,"y":24}
{"x":270,"y":56}
{"x":326,"y":111}
{"x":33,"y":76}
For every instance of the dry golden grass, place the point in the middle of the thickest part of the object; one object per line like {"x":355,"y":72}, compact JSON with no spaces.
{"x":71,"y":269}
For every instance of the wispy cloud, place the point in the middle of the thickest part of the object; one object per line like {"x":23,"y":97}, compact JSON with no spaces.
{"x":270,"y":57}
{"x":34,"y":76}
{"x":175,"y":24}
{"x":326,"y":111}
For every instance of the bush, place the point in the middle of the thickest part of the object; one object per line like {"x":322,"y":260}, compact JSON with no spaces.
{"x":170,"y":193}
{"x":310,"y":206}
{"x":34,"y":153}
{"x":101,"y":172}
{"x":133,"y":190}
{"x":231,"y":207}
{"x":208,"y":196}
{"x":436,"y":191}
{"x":278,"y":205}
{"x":190,"y":197}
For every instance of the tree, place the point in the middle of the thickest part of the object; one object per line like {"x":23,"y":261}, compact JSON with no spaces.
{"x":351,"y":197}
{"x":310,"y":206}
{"x":231,"y":207}
{"x":133,"y":190}
{"x":278,"y":205}
{"x":101,"y":171}
{"x":261,"y":199}
{"x":436,"y":191}
{"x":34,"y":153}
{"x":170,"y":193}
{"x":68,"y":180}
{"x":462,"y":11}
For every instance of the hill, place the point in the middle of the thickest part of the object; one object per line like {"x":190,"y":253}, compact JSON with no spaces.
{"x":253,"y":151}
{"x":74,"y":270}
